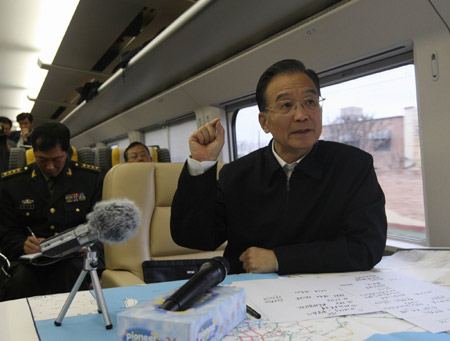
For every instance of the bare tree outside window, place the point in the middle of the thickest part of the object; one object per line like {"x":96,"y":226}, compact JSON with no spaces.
{"x":378,"y":114}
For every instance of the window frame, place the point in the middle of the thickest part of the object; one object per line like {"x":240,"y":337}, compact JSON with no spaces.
{"x":346,"y":73}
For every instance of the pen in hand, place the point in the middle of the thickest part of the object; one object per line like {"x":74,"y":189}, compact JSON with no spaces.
{"x":32,"y":234}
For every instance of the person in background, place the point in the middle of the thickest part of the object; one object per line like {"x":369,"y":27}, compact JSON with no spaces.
{"x":137,"y":152}
{"x":299,"y":205}
{"x":5,"y":128}
{"x":22,"y":137}
{"x":6,"y":123}
{"x":41,"y":200}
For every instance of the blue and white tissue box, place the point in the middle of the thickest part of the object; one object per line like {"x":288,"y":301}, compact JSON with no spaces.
{"x":217,"y":312}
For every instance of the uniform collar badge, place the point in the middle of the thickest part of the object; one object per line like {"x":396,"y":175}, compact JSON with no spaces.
{"x":69,"y":172}
{"x":75,"y":197}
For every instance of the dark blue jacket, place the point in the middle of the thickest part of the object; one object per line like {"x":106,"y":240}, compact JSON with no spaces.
{"x":330,"y":217}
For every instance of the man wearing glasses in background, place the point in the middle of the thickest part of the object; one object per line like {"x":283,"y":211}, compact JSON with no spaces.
{"x":137,"y":152}
{"x":299,"y":205}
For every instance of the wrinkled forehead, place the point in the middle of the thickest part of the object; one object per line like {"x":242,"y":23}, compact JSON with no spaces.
{"x":290,"y":85}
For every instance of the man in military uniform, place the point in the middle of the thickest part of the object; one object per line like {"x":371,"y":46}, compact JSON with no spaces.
{"x":38,"y":201}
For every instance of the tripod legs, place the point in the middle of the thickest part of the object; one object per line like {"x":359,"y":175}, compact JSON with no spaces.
{"x":69,"y":299}
{"x":100,"y":299}
{"x":90,"y":265}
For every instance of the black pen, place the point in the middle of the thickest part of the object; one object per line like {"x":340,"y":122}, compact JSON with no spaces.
{"x":252,"y":312}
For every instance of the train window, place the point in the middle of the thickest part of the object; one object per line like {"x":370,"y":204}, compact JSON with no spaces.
{"x":157,"y":137}
{"x":178,"y":139}
{"x":377,"y":113}
{"x":249,"y":134}
{"x":173,"y":136}
{"x":121,"y":143}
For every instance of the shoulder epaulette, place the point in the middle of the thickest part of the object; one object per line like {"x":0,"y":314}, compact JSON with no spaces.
{"x":88,"y":167}
{"x":13,"y":172}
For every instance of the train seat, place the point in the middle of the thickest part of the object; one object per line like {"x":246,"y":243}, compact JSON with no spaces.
{"x":20,"y":157}
{"x":105,"y":157}
{"x":151,"y":186}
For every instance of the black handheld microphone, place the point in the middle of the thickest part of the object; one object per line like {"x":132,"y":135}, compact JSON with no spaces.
{"x":209,"y":275}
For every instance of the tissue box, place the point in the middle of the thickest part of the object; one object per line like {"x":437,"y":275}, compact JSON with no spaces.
{"x":218,"y":311}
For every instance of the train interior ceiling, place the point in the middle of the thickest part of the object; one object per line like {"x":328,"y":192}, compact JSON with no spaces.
{"x":191,"y":45}
{"x":199,"y":57}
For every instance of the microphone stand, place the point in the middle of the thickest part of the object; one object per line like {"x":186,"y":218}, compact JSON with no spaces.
{"x":89,"y":265}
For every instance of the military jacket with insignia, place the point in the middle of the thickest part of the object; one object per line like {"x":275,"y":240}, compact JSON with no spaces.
{"x":26,"y":201}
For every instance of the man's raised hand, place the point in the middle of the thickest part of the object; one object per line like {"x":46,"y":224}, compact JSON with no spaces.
{"x":206,"y":143}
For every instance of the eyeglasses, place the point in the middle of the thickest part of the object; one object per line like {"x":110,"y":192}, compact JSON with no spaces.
{"x":310,"y":104}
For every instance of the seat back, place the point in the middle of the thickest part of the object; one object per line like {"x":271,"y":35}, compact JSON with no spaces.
{"x":151,"y":186}
{"x":117,"y":156}
{"x":29,"y":155}
{"x":161,"y":243}
{"x":20,"y":157}
{"x":134,"y":181}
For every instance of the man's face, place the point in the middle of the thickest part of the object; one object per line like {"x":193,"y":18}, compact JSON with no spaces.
{"x":138,"y":153}
{"x":51,"y":162}
{"x":25,"y":125}
{"x":6,"y":128}
{"x":295,"y":132}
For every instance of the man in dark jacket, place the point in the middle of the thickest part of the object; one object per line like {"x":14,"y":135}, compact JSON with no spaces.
{"x":38,"y":201}
{"x":23,"y":137}
{"x":299,"y":205}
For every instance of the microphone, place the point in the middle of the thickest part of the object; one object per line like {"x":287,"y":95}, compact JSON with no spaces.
{"x":209,"y":275}
{"x":112,"y":221}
